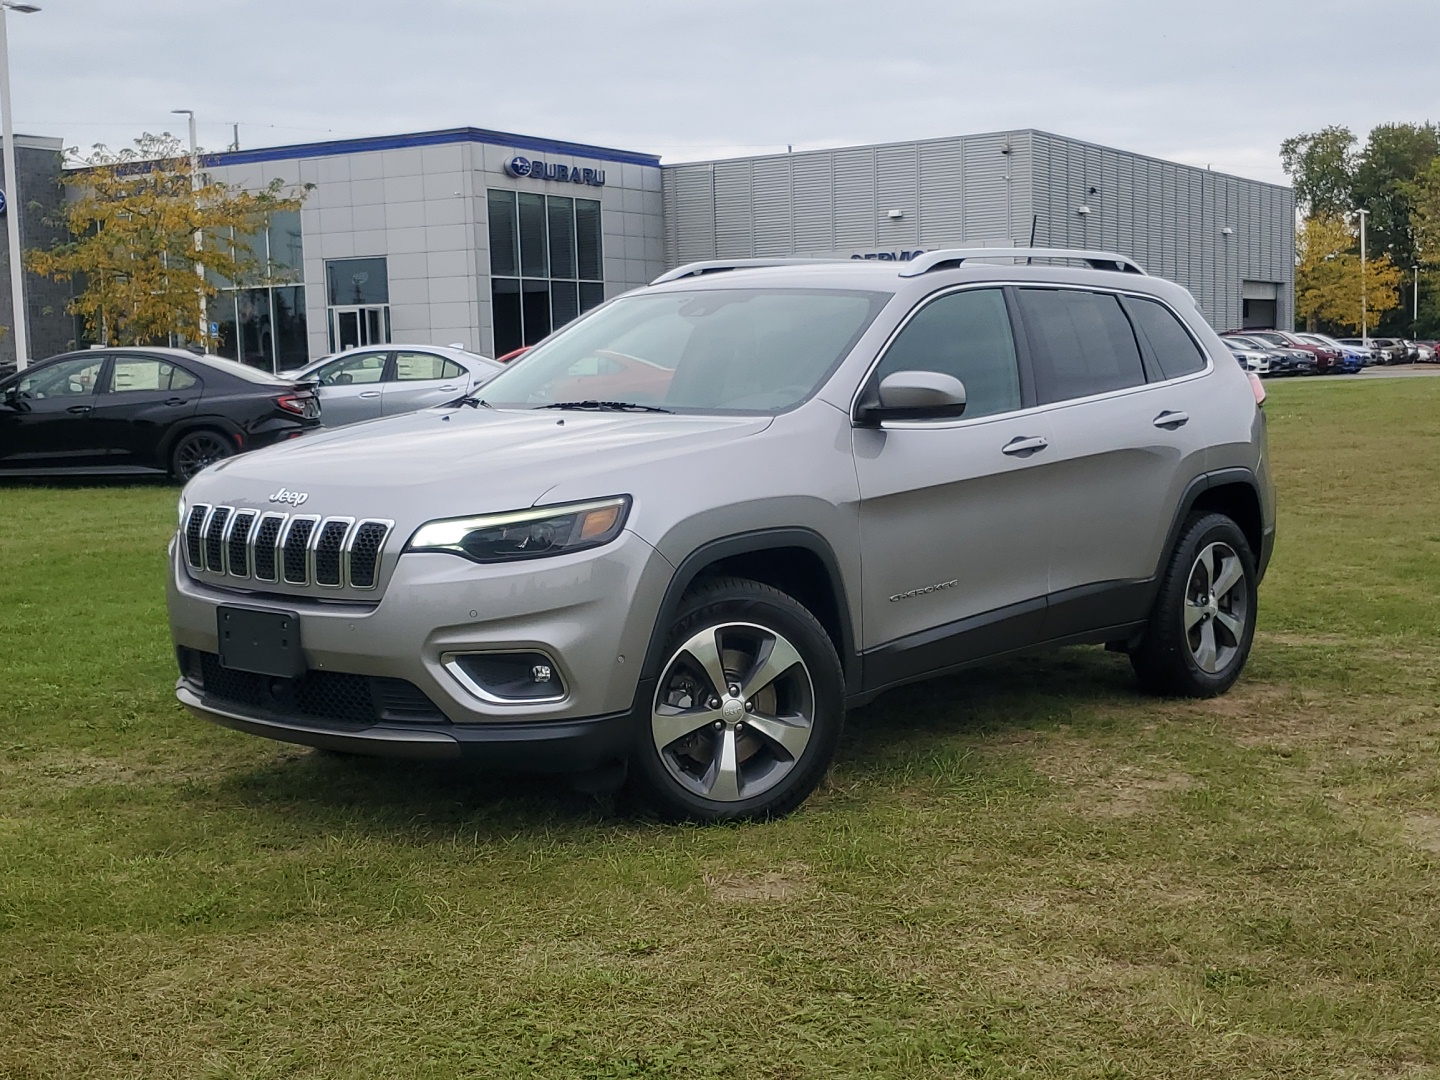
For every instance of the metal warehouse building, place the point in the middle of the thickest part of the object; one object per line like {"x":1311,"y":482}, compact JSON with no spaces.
{"x":492,"y":239}
{"x":1230,"y":241}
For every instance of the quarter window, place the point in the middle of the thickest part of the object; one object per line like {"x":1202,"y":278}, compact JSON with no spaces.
{"x":965,"y":334}
{"x":1081,"y":343}
{"x":1173,"y":348}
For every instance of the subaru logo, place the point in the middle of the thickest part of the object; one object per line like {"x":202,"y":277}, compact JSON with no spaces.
{"x":294,"y":498}
{"x":518,"y":166}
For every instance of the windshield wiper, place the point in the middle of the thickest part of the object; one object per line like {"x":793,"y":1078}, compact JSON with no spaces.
{"x":605,"y":406}
{"x":471,"y":400}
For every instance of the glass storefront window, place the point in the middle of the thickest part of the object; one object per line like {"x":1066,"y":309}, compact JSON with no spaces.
{"x":264,"y":324}
{"x":545,"y":264}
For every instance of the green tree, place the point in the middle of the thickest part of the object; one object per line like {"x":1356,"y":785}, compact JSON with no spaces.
{"x":1394,"y":158}
{"x":1327,"y":278}
{"x":1322,"y":167}
{"x":132,"y":216}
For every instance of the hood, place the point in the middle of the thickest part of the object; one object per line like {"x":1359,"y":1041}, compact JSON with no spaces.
{"x":450,"y":462}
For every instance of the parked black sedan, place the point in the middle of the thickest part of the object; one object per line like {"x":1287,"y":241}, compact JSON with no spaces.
{"x":143,"y":410}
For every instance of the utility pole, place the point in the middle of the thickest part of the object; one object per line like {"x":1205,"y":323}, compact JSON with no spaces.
{"x":1415,"y":311}
{"x":199,"y":239}
{"x":13,"y":205}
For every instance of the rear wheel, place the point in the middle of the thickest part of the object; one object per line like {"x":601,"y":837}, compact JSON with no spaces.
{"x":748,"y":708}
{"x":1203,"y":622}
{"x":197,"y":450}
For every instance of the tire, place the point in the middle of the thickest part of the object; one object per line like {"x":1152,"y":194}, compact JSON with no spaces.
{"x":706,"y":753}
{"x":1203,"y":622}
{"x":196,"y":450}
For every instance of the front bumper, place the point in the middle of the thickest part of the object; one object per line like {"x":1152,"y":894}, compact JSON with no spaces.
{"x":554,"y":746}
{"x":591,"y":613}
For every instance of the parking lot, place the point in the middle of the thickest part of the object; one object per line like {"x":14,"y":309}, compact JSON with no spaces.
{"x":1030,"y":869}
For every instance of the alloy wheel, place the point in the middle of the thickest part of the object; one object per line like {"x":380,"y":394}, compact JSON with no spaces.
{"x":1217,"y":607}
{"x":734,"y":711}
{"x":197,"y":452}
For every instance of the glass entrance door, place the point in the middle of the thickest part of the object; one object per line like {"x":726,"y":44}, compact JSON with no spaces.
{"x":352,"y":327}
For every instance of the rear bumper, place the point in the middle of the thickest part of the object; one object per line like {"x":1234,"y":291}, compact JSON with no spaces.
{"x":531,"y":746}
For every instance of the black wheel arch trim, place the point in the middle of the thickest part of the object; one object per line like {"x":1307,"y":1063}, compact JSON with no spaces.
{"x":747,"y":543}
{"x":1197,"y":487}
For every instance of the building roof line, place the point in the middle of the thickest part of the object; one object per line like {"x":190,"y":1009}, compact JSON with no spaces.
{"x":365,"y":144}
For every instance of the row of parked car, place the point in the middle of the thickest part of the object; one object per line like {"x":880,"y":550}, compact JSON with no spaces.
{"x":1282,"y":352}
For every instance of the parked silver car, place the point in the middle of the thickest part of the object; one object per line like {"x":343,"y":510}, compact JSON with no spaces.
{"x":690,"y":529}
{"x":383,"y":380}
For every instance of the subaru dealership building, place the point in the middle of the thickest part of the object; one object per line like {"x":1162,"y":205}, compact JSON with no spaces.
{"x":492,"y":240}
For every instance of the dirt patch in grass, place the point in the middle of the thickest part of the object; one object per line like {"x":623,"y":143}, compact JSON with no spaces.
{"x":1423,"y":830}
{"x":787,"y":884}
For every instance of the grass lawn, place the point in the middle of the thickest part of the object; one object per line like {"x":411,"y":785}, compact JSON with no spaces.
{"x":1030,"y":870}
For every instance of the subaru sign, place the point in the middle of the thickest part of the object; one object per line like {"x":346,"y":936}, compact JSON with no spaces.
{"x":525,"y":168}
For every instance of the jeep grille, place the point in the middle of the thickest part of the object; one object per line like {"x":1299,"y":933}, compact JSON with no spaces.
{"x":298,"y":549}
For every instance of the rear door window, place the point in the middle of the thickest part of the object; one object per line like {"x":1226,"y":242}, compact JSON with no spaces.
{"x":1170,"y":344}
{"x":1081,"y":343}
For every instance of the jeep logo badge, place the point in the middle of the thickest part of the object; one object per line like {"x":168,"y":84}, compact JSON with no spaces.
{"x":294,"y":498}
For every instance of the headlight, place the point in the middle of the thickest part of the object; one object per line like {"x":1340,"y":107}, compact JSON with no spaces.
{"x":526,"y":534}
{"x":182,"y":510}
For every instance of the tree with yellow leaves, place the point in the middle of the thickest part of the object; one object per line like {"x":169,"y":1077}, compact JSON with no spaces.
{"x":132,"y":217}
{"x":1327,"y":279}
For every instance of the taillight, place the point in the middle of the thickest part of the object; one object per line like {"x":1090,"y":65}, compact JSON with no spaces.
{"x":1257,"y":388}
{"x":293,"y":403}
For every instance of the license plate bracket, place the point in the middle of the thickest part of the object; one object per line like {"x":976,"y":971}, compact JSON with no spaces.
{"x":260,"y":641}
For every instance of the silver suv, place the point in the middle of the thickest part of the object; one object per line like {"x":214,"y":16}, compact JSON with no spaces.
{"x":687,"y":532}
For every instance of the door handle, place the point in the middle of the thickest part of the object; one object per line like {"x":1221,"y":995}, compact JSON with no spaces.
{"x":370,"y":393}
{"x":449,"y":389}
{"x":79,"y":408}
{"x":1169,"y":419}
{"x":1021,"y":445}
{"x":175,"y":401}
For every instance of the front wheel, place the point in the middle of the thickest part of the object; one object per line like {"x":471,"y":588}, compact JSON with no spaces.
{"x":748,"y":708}
{"x":1203,"y":621}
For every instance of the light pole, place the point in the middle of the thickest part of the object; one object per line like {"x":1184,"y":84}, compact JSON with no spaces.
{"x":199,"y":240}
{"x":1364,"y":312}
{"x":13,"y":204}
{"x":1415,"y":311}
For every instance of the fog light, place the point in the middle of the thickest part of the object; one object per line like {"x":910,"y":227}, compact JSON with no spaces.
{"x":514,"y":678}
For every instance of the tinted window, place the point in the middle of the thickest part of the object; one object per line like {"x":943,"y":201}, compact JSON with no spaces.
{"x":68,"y":378}
{"x":417,"y":367}
{"x":357,"y":281}
{"x":130,"y":374}
{"x":965,"y":334}
{"x":1081,"y":343}
{"x":1175,"y":349}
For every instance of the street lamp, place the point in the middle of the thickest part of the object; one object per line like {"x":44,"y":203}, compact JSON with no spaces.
{"x":199,"y":240}
{"x":1415,"y":311}
{"x":12,"y":180}
{"x":1364,"y":312}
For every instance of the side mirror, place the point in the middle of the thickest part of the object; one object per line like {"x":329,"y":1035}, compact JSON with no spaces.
{"x":914,"y":395}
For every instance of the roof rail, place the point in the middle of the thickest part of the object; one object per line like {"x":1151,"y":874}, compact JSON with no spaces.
{"x":719,"y":266}
{"x":951,"y":258}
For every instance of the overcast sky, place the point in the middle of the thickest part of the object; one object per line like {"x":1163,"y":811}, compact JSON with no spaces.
{"x":1212,"y":82}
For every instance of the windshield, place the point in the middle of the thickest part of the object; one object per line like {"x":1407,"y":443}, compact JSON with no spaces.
{"x":745,"y":350}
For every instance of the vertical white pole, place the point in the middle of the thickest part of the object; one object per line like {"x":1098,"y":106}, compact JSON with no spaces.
{"x":1364,"y":312}
{"x":199,"y":240}
{"x":13,"y":206}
